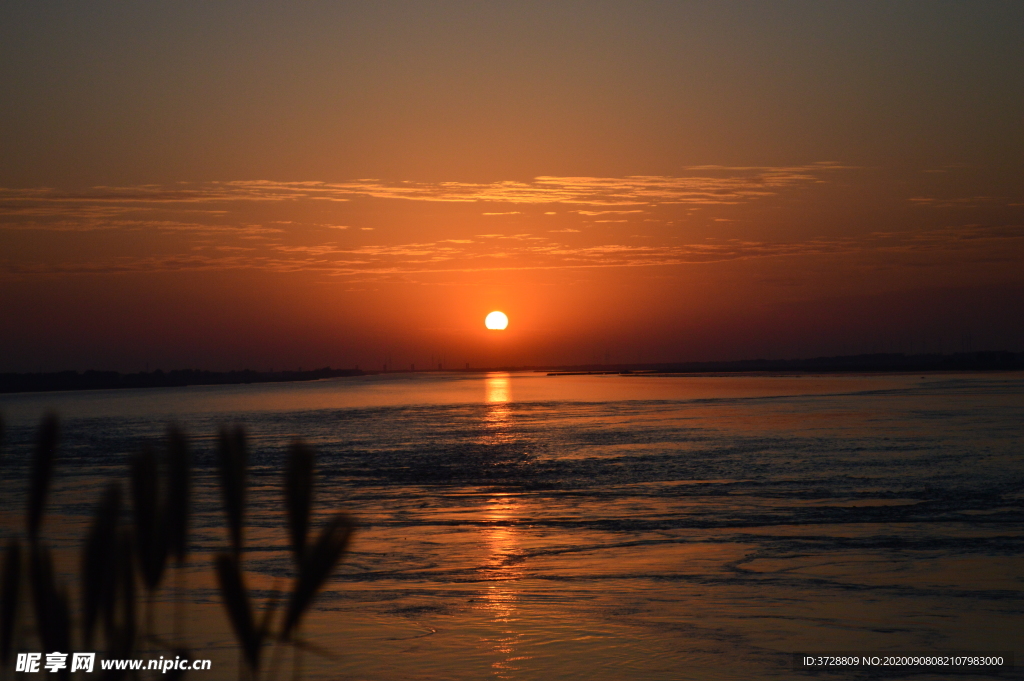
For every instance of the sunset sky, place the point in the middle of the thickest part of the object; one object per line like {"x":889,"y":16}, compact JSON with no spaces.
{"x":224,"y":185}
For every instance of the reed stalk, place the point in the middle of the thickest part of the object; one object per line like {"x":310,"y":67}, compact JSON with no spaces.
{"x":10,"y":584}
{"x":99,"y":566}
{"x":176,"y":514}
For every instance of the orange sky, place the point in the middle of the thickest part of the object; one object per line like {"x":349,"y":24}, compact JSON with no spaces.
{"x":216,"y":186}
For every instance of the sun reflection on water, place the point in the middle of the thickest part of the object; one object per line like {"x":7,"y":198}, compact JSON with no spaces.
{"x":497,"y":396}
{"x":498,"y":387}
{"x":503,"y":570}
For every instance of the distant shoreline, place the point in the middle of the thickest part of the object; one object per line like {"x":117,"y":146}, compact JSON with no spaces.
{"x":113,"y":380}
{"x":874,"y":363}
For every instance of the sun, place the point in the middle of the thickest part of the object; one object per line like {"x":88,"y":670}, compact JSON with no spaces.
{"x":496,"y":321}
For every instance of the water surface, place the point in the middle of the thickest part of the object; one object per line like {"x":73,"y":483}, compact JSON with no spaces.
{"x":520,"y":526}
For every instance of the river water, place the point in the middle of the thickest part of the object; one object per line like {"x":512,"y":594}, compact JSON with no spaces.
{"x":524,"y":526}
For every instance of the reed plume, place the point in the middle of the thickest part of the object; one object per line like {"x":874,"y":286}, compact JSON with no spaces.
{"x":51,"y":603}
{"x":176,"y":515}
{"x":42,"y":471}
{"x":179,"y":487}
{"x":150,"y":543}
{"x":317,"y":566}
{"x":298,"y":496}
{"x":233,"y":461}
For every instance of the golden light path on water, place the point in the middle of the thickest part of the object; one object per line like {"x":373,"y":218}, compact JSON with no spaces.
{"x":501,"y":596}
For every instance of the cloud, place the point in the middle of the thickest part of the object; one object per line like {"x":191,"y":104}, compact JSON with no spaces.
{"x":138,"y":226}
{"x":698,"y":185}
{"x":212,"y":226}
{"x":606,"y":212}
{"x":962,"y":244}
{"x":963,"y":202}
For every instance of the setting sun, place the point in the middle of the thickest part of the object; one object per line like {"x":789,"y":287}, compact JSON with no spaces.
{"x":496,"y":321}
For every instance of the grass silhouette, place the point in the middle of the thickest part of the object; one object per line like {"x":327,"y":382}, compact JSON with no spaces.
{"x":122,"y":551}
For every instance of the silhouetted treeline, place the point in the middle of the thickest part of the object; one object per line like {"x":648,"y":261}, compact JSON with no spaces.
{"x":105,"y":380}
{"x":961,"y":361}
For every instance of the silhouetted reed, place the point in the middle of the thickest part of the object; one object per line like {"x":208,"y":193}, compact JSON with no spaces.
{"x":99,"y":563}
{"x":9,"y":598}
{"x":179,"y":489}
{"x":121,"y":622}
{"x":52,"y":605}
{"x":42,"y":470}
{"x":233,"y":465}
{"x":298,"y":496}
{"x":236,"y":600}
{"x":114,"y":556}
{"x":150,"y":538}
{"x":315,"y":568}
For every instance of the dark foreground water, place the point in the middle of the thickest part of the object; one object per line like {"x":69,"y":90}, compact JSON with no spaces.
{"x":601,"y":527}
